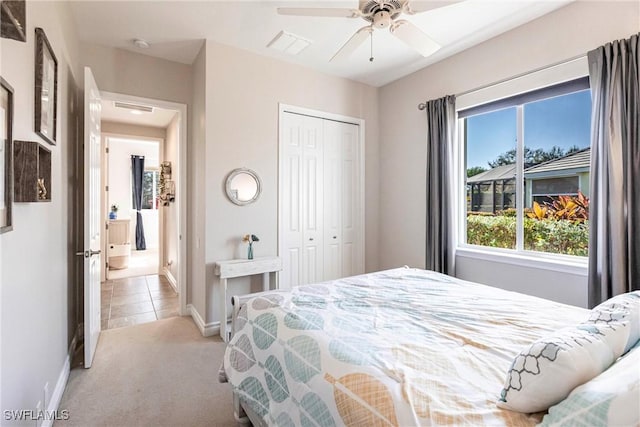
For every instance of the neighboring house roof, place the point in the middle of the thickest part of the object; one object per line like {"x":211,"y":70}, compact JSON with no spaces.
{"x":495,"y":174}
{"x":568,"y":165}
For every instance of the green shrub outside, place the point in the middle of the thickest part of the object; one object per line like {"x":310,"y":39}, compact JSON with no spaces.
{"x":546,"y":235}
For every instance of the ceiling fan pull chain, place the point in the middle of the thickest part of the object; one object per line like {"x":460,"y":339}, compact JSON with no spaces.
{"x":371,"y":57}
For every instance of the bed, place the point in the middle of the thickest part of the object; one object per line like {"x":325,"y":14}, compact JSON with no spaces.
{"x":402,"y":347}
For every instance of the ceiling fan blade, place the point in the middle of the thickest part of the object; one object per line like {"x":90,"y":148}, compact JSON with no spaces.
{"x":413,"y":7}
{"x":319,"y":11}
{"x":413,"y":37}
{"x":353,"y":43}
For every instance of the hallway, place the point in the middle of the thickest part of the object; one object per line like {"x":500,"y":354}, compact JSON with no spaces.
{"x":136,"y":300}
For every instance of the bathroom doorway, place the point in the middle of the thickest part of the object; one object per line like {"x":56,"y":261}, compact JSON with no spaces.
{"x":143,"y":169}
{"x":134,"y":232}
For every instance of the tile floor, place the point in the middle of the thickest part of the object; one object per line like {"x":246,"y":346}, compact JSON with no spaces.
{"x":141,"y":263}
{"x":136,"y":300}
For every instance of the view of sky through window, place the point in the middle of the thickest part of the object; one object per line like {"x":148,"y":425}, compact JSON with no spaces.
{"x":563,"y":121}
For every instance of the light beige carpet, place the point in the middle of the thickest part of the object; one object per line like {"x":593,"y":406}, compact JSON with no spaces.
{"x":162,"y":373}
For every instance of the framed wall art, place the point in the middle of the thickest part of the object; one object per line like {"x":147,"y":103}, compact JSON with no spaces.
{"x":6,"y":156}
{"x":13,"y":19}
{"x":46,"y":93}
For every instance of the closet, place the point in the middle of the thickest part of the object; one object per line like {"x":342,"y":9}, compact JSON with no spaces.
{"x":321,"y":201}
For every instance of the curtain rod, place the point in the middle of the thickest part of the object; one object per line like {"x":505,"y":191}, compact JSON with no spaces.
{"x":423,"y":105}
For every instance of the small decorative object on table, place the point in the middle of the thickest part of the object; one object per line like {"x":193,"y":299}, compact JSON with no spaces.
{"x":114,"y":212}
{"x":250,"y":238}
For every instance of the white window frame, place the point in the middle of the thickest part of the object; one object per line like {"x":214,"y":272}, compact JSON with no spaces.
{"x":567,"y":71}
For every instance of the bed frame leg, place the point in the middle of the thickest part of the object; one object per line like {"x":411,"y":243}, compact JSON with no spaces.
{"x":238,"y":411}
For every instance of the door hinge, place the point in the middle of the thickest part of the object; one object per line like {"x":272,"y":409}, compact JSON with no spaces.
{"x":106,"y":188}
{"x":106,"y":150}
{"x":106,"y":225}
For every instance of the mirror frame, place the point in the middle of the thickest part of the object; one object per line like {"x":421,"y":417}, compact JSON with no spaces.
{"x":235,"y":173}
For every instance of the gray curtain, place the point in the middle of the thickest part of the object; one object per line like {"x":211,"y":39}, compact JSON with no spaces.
{"x":137,"y":172}
{"x":614,"y":240}
{"x":441,"y":123}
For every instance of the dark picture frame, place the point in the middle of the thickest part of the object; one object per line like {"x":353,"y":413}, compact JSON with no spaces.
{"x":6,"y":156}
{"x":13,"y":19}
{"x":46,"y":93}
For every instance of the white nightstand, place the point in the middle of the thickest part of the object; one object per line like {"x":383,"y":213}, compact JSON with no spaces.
{"x":241,"y":268}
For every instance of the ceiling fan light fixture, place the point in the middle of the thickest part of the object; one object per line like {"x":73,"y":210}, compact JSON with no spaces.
{"x":382,"y":19}
{"x":381,"y":14}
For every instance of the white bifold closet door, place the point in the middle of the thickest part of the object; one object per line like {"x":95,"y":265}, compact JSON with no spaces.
{"x":319,"y":201}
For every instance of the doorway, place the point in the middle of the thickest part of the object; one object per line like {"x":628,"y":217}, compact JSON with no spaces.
{"x":134,"y":246}
{"x":143,"y":150}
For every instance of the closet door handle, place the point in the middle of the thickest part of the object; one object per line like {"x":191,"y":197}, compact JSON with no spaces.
{"x":335,"y":237}
{"x":311,"y":239}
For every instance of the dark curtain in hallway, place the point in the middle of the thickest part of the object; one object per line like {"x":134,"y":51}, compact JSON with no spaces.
{"x":137,"y":171}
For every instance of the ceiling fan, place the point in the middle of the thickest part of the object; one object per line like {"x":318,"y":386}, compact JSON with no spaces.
{"x":380,"y":14}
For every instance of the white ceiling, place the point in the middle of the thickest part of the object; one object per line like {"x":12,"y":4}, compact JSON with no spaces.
{"x":158,"y":118}
{"x":175,"y":30}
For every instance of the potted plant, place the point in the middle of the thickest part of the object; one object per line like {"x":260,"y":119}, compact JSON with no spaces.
{"x":114,"y":212}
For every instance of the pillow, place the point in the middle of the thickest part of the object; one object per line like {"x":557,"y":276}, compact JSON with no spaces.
{"x":545,"y":372}
{"x":621,"y":308}
{"x":610,"y":399}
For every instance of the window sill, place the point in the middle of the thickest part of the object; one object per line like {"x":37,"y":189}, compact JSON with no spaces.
{"x":560,"y":263}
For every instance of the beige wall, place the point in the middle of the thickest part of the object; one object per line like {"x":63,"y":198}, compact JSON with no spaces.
{"x":197,"y":188}
{"x":566,"y":33}
{"x":38,"y":296}
{"x":242,"y":131}
{"x":129,"y":73}
{"x":132,"y":130}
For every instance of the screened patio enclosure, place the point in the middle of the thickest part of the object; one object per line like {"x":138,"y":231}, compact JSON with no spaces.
{"x":492,"y":191}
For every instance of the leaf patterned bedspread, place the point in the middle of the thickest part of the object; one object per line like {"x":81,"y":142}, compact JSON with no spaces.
{"x":402,"y":347}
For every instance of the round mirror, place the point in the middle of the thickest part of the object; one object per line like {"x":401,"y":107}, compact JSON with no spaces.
{"x":243,"y":186}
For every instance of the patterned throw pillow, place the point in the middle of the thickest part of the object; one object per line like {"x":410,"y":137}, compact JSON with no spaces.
{"x":610,"y":399}
{"x":621,"y":308}
{"x":544,"y":373}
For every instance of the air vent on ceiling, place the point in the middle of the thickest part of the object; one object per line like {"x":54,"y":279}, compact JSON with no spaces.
{"x":135,"y":107}
{"x":289,"y":43}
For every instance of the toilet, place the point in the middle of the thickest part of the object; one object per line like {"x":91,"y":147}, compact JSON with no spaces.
{"x":119,"y":246}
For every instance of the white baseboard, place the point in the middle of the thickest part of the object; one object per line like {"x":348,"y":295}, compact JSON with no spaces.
{"x":206,"y":329}
{"x":172,"y":280}
{"x":61,"y":384}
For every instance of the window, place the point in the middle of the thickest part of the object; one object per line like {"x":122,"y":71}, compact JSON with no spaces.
{"x":527,"y":171}
{"x":150,"y":181}
{"x":548,"y":189}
